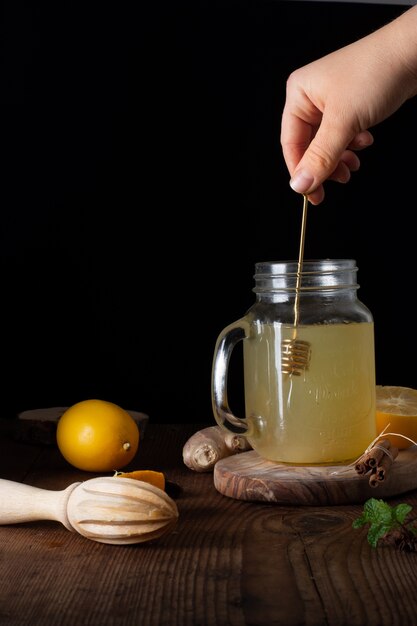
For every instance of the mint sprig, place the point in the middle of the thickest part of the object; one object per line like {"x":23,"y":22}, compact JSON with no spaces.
{"x":388,"y":524}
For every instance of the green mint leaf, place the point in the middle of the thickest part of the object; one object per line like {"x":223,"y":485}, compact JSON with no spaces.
{"x":359,"y":522}
{"x":376,"y":532}
{"x":374,"y":511}
{"x":400,"y":512}
{"x":382,"y":519}
{"x":378,"y":511}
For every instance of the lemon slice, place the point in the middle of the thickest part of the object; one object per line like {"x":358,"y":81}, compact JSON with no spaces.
{"x":396,"y":411}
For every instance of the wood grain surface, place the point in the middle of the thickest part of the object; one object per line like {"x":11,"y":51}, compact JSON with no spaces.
{"x":227,"y":563}
{"x":247,"y":476}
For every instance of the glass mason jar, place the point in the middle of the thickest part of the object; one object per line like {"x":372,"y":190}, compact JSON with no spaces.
{"x":308,"y":363}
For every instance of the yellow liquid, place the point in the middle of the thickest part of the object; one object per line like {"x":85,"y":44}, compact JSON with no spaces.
{"x":325,"y":415}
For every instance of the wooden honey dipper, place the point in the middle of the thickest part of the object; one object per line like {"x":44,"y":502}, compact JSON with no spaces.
{"x":105,"y":509}
{"x":296,"y":353}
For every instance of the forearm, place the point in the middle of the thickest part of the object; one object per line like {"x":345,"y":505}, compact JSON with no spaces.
{"x":397,"y":43}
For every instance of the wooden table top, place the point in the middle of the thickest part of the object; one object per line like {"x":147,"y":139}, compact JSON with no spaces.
{"x":227,"y":563}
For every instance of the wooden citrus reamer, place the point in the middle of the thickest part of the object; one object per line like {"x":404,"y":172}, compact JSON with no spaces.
{"x":105,"y":509}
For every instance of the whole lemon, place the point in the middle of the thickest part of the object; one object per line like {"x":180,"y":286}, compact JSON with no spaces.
{"x":97,"y":436}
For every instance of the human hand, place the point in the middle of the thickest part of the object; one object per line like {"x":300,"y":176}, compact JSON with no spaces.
{"x":331,"y":103}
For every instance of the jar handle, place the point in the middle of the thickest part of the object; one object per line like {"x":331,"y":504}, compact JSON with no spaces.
{"x":226,"y":341}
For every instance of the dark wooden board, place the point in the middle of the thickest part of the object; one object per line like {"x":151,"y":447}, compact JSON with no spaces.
{"x":247,"y":476}
{"x":39,"y":425}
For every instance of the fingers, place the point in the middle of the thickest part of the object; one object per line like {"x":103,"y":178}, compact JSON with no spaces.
{"x":296,"y":133}
{"x":361,"y":140}
{"x":341,"y":174}
{"x":348,"y":163}
{"x":319,"y":145}
{"x":317,"y":196}
{"x":319,"y":164}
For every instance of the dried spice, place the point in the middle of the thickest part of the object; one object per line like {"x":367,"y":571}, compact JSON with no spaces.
{"x":377,"y":460}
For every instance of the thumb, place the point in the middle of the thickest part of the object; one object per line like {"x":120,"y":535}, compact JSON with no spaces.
{"x":321,"y":158}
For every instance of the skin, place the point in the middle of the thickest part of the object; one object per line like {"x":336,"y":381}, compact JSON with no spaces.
{"x":332,"y":103}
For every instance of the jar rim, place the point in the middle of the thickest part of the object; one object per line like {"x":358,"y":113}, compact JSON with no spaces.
{"x":309,"y":266}
{"x":316,"y":274}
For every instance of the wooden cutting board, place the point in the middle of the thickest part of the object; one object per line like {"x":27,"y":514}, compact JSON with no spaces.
{"x":246,"y":476}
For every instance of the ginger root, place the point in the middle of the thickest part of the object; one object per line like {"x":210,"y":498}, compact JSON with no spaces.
{"x":207,"y":446}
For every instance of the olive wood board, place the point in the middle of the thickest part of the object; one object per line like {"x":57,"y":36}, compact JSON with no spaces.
{"x":246,"y":476}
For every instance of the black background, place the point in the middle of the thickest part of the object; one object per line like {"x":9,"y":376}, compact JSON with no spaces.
{"x":142,"y":179}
